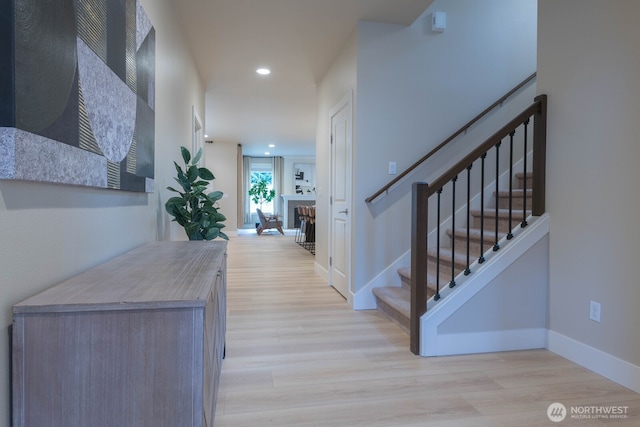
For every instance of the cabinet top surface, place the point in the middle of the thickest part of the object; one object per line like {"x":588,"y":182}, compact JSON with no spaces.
{"x":156,"y":275}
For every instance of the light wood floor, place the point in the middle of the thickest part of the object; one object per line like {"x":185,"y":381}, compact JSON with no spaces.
{"x":297,"y":355}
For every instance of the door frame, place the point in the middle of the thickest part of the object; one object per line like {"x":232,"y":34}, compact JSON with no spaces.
{"x":345,"y":102}
{"x":197,"y":135}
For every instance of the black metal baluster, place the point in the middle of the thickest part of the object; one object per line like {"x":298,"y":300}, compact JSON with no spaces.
{"x":496,"y":246}
{"x":524,"y":200}
{"x":467,"y":270}
{"x":452,"y":283}
{"x":436,"y":297}
{"x":481,"y":259}
{"x":511,"y":135}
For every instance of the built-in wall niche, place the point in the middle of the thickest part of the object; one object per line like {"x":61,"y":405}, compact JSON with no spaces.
{"x":304,"y":175}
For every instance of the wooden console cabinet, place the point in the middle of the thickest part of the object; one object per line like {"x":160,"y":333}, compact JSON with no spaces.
{"x":137,"y":341}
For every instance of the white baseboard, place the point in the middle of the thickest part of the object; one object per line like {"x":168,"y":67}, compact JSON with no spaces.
{"x":364,"y":299}
{"x":321,"y":271}
{"x":490,"y":342}
{"x":610,"y":367}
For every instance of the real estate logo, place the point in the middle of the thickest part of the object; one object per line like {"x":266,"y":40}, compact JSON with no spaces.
{"x":556,"y":412}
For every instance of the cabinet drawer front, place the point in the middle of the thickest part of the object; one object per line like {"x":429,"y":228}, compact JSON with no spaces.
{"x":108,"y":368}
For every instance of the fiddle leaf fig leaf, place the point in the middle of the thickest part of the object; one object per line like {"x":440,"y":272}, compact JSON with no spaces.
{"x":206,"y":174}
{"x":192,"y":174}
{"x":186,"y":156}
{"x":196,"y":159}
{"x":215,"y":196}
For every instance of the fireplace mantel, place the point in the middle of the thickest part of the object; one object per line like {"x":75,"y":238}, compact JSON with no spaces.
{"x":290,"y":202}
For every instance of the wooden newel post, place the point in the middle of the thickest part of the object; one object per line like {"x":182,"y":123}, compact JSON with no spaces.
{"x":419,"y":231}
{"x":539,"y":156}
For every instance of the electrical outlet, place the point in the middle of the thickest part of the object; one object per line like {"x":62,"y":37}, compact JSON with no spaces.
{"x":594,"y":311}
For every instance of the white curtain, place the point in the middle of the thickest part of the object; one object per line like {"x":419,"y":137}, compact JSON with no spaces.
{"x":278,"y":172}
{"x":246,"y":183}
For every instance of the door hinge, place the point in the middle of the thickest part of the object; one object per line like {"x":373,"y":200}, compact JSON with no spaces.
{"x":330,"y":261}
{"x":330,"y":200}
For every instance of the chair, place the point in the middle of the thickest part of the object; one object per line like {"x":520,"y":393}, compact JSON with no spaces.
{"x":302,"y":222}
{"x":312,"y":224}
{"x":268,"y":222}
{"x":306,"y":236}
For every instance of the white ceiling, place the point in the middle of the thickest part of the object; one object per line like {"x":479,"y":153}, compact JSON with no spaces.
{"x":296,"y":39}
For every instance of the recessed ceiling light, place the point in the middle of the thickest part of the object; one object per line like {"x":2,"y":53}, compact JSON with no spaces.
{"x":263,"y":71}
{"x":266,"y":153}
{"x":206,"y":136}
{"x":272,"y":145}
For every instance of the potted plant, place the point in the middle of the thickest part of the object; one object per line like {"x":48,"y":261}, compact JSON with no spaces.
{"x":260,"y":193}
{"x":194,"y":209}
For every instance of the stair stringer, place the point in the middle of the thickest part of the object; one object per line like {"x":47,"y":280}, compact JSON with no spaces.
{"x":435,"y":342}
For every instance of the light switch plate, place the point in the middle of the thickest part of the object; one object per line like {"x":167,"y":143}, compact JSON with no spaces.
{"x":594,"y":311}
{"x":392,"y":168}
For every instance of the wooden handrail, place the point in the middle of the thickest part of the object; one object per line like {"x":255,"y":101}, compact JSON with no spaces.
{"x":483,"y":148}
{"x":449,"y":139}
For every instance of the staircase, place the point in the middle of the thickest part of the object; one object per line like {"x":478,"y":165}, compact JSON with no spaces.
{"x":395,"y":301}
{"x":522,"y":139}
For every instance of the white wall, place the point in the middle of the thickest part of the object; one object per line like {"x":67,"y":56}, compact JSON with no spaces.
{"x":178,"y":89}
{"x":415,"y":88}
{"x":220,"y":158}
{"x":50,"y":232}
{"x":588,"y":64}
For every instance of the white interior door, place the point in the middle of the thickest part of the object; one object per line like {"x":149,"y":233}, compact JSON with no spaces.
{"x":340,"y":198}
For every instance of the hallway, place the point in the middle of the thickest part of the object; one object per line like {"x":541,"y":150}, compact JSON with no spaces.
{"x":297,"y":355}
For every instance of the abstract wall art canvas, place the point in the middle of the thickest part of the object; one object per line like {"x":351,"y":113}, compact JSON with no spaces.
{"x":77,"y":93}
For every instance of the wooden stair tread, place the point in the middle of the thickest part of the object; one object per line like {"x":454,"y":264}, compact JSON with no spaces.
{"x":502,"y":213}
{"x":395,"y":303}
{"x":460,"y":256}
{"x":397,"y":297}
{"x":405,"y":272}
{"x":489,"y":238}
{"x":516,"y":192}
{"x":474,"y":234}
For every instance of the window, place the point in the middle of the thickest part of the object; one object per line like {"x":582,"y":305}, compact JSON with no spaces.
{"x":257,"y":176}
{"x":255,"y":168}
